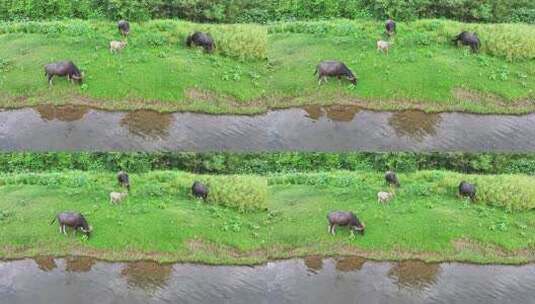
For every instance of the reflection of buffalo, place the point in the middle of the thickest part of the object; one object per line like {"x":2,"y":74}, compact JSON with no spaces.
{"x":63,"y":113}
{"x":147,"y":275}
{"x":414,"y":274}
{"x":147,"y":123}
{"x":314,"y":263}
{"x":415,"y":124}
{"x":335,"y":113}
{"x":79,"y":264}
{"x":350,"y":263}
{"x":45,"y":263}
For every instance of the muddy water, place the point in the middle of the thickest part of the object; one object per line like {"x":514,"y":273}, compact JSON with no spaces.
{"x":336,"y":128}
{"x":312,"y":280}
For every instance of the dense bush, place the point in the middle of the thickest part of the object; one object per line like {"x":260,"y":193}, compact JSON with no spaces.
{"x":265,"y":163}
{"x":234,"y":40}
{"x":245,"y":193}
{"x":231,"y":11}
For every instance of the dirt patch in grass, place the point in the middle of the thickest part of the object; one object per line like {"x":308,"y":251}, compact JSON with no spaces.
{"x":475,"y":96}
{"x":196,"y":245}
{"x":471,"y":246}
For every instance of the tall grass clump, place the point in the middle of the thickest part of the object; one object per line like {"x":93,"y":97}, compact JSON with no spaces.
{"x":245,"y":193}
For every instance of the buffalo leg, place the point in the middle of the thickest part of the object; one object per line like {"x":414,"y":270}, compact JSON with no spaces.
{"x":352,"y":232}
{"x":50,"y":79}
{"x":333,"y":229}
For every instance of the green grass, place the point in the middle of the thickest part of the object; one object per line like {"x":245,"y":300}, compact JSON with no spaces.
{"x":160,"y":221}
{"x":156,"y":70}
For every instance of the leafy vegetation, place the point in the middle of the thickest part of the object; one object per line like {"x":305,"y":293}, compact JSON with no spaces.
{"x":231,"y":11}
{"x":268,"y":162}
{"x":160,"y":220}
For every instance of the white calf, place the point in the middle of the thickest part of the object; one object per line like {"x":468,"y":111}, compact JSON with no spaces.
{"x":117,"y":197}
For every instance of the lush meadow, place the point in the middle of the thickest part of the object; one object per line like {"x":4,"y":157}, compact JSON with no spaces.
{"x":254,"y":219}
{"x":260,"y":67}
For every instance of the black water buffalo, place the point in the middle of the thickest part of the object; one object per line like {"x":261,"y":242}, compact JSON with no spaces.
{"x":201,"y":39}
{"x":467,"y":190}
{"x":467,"y":38}
{"x":343,"y":218}
{"x":63,"y":69}
{"x":334,"y":68}
{"x":123,"y":179}
{"x":124,"y":27}
{"x":74,"y":220}
{"x":391,"y":178}
{"x":390,"y":26}
{"x":199,"y":190}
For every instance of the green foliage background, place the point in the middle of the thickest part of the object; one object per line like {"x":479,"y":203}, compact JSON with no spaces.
{"x":269,"y":162}
{"x":230,"y":11}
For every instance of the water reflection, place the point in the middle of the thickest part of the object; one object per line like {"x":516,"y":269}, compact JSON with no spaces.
{"x":350,"y":263}
{"x":67,"y":113}
{"x":414,"y":274}
{"x":343,"y":113}
{"x":79,"y":264}
{"x":148,"y":124}
{"x":313,"y":263}
{"x":45,"y":263}
{"x":415,"y":124}
{"x":147,"y":275}
{"x":341,"y":280}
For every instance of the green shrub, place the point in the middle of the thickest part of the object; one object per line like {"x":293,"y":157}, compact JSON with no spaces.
{"x":246,"y":193}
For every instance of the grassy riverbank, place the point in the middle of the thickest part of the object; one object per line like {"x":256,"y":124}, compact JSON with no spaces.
{"x":160,"y":221}
{"x":257,"y":68}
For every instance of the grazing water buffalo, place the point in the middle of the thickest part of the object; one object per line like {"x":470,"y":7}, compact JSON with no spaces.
{"x":391,"y":178}
{"x":123,"y":179}
{"x":124,"y":27}
{"x":470,"y":39}
{"x":343,"y":218}
{"x":390,"y":26}
{"x":201,"y":39}
{"x":199,"y":190}
{"x":62,"y":69}
{"x":334,"y":68}
{"x":467,"y":189}
{"x":74,"y":220}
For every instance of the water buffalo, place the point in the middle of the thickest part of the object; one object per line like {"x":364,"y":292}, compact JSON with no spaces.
{"x":199,"y":190}
{"x":467,"y":189}
{"x":390,"y":26}
{"x":334,"y":68}
{"x":201,"y":39}
{"x":343,"y":218}
{"x":74,"y":220}
{"x":467,"y":38}
{"x":391,"y":178}
{"x":123,"y":179}
{"x":124,"y":27}
{"x":62,"y":69}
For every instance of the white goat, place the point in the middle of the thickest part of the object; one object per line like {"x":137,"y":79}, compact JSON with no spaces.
{"x":383,"y":46}
{"x":384,"y":197}
{"x":117,"y":197}
{"x":117,"y":46}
